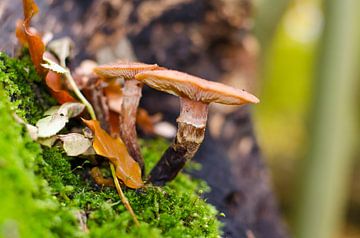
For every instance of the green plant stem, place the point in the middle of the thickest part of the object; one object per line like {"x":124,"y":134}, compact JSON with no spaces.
{"x":328,"y":166}
{"x":112,"y":168}
{"x":122,"y":195}
{"x":80,"y":95}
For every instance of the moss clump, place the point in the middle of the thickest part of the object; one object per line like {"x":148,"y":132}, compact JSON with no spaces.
{"x":173,"y":211}
{"x":27,"y":207}
{"x":24,"y":88}
{"x":45,"y":193}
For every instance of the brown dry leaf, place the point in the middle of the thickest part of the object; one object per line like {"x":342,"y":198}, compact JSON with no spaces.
{"x":114,"y":123}
{"x":127,"y":170}
{"x":30,"y":9}
{"x":99,"y":178}
{"x":54,"y":82}
{"x":146,"y":122}
{"x":20,"y":33}
{"x":29,"y":37}
{"x":114,"y":96}
{"x":75,"y":144}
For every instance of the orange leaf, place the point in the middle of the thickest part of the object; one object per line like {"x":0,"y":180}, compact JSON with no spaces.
{"x":146,"y":122}
{"x":28,"y":36}
{"x":20,"y":33}
{"x":127,"y":170}
{"x":54,"y":82}
{"x":114,"y":123}
{"x":114,"y":96}
{"x":30,"y":9}
{"x":36,"y":49}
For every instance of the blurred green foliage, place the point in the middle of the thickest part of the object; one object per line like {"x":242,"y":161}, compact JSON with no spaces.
{"x":289,"y":78}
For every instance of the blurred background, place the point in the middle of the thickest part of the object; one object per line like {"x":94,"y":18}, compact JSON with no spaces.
{"x":307,"y":123}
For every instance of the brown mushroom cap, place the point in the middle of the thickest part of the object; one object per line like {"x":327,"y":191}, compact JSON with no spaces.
{"x":197,"y":89}
{"x":123,"y":69}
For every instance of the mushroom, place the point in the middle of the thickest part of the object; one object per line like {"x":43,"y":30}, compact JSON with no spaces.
{"x":131,"y":97}
{"x":195,"y":95}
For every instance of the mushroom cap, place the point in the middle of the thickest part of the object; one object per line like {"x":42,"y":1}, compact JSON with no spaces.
{"x":195,"y":88}
{"x":127,"y":70}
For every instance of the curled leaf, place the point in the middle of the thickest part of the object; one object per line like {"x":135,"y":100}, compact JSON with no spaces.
{"x":61,"y":48}
{"x":127,"y":170}
{"x":30,"y":9}
{"x":146,"y":122}
{"x":54,"y":82}
{"x":75,"y":144}
{"x":51,"y":111}
{"x":99,"y":178}
{"x":114,"y":96}
{"x":55,"y":122}
{"x":32,"y":130}
{"x":53,"y":66}
{"x":51,"y":125}
{"x":29,"y":37}
{"x":71,"y":109}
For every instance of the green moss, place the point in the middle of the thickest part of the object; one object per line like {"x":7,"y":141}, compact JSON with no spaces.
{"x":43,"y":191}
{"x":23,"y":87}
{"x":27,"y":207}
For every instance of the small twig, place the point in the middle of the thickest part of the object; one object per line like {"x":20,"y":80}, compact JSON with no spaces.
{"x":122,"y":196}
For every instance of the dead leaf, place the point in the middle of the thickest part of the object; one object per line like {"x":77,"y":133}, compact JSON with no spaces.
{"x":36,"y":49}
{"x":61,"y":48}
{"x":146,"y":122}
{"x":75,"y":144}
{"x":51,"y":125}
{"x":127,"y":170}
{"x":32,"y":130}
{"x":53,"y":66}
{"x":48,"y":142}
{"x":71,"y":109}
{"x":55,"y":122}
{"x":114,"y":96}
{"x":99,"y":178}
{"x":51,"y":111}
{"x":55,"y":83}
{"x":114,"y":123}
{"x":29,"y":37}
{"x":20,"y":33}
{"x":30,"y":9}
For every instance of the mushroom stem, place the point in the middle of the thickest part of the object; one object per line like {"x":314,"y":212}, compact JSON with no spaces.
{"x":131,"y":98}
{"x":190,"y":134}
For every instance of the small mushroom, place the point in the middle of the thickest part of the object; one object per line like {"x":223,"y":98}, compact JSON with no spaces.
{"x":195,"y":95}
{"x":131,"y":97}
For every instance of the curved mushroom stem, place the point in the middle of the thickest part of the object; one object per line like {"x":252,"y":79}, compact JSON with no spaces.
{"x":132,"y":95}
{"x":190,"y":134}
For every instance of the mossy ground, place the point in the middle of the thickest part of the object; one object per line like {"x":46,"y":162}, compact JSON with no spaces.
{"x":44,"y":193}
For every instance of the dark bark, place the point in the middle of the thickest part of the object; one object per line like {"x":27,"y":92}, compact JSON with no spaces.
{"x":207,"y":38}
